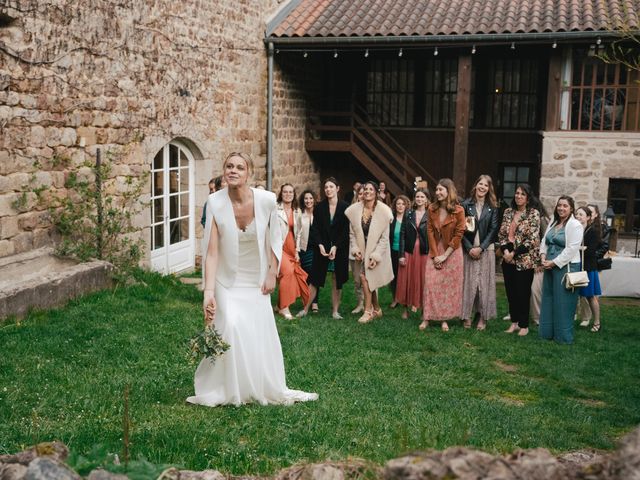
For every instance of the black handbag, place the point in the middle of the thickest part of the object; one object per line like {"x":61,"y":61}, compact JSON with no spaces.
{"x":604,"y":263}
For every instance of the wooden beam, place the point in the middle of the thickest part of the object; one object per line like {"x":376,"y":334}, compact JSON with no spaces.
{"x":461,"y":137}
{"x":554,"y":92}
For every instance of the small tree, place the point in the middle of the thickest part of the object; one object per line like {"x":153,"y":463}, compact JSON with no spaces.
{"x":93,"y":225}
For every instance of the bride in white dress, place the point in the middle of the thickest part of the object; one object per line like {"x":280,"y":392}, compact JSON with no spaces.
{"x":240,"y":271}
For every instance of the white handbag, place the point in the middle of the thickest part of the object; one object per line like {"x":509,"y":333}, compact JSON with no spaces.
{"x":573,"y":280}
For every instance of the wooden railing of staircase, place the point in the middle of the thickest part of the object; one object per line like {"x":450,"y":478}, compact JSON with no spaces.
{"x":372,"y":146}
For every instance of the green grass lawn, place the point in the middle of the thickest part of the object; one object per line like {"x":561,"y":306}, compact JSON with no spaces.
{"x":385,"y":388}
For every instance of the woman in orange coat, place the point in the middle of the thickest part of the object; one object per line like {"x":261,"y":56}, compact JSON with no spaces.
{"x":444,"y":273}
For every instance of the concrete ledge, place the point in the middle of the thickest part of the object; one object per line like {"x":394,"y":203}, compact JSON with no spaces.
{"x":38,"y":279}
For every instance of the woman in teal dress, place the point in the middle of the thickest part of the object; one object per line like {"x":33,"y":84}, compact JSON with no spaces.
{"x":560,"y":249}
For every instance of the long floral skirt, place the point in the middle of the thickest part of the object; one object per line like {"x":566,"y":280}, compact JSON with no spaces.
{"x":443,"y":289}
{"x":479,"y":291}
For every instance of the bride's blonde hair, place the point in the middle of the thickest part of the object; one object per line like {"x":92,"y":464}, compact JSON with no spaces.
{"x":245,"y":156}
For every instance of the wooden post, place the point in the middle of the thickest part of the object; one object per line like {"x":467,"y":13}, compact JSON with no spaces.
{"x":554,"y":91}
{"x":461,"y":136}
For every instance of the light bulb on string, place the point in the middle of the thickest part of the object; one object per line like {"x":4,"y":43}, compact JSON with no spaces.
{"x":400,"y":53}
{"x":435,"y":52}
{"x":366,"y":53}
{"x":555,"y":44}
{"x":473,"y":50}
{"x":305,"y":54}
{"x":335,"y":54}
{"x":513,"y":45}
{"x":598,"y":41}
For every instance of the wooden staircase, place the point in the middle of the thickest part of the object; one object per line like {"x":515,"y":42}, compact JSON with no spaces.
{"x":372,"y":146}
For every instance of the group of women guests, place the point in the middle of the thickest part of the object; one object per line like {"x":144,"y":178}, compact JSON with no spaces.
{"x":439,"y":255}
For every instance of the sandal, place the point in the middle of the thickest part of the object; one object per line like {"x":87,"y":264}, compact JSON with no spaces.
{"x":512,"y":328}
{"x":596,"y":327}
{"x":405,"y":314}
{"x":424,"y":325}
{"x":523,"y":332}
{"x":482,"y":324}
{"x":377,"y":312}
{"x":314,"y":308}
{"x":358,"y":309}
{"x":286,"y":313}
{"x":467,"y":324}
{"x":445,"y":327}
{"x":301,"y":314}
{"x":394,"y":304}
{"x":585,"y":323}
{"x":366,"y":317}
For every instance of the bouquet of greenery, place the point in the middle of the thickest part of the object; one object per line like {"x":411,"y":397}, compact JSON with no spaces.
{"x":208,"y":344}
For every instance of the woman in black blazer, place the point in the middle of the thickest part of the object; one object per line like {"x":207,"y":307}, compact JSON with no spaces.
{"x":479,"y":290}
{"x":414,"y":248}
{"x":591,"y":241}
{"x":330,"y":235}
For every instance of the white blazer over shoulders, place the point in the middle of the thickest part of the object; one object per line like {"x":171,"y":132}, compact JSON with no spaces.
{"x":220,"y":210}
{"x":573,"y":232}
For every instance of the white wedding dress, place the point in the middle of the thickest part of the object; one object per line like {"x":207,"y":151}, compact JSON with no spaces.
{"x":252,"y":370}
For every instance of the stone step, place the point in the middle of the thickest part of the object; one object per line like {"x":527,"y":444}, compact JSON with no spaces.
{"x":39,"y":279}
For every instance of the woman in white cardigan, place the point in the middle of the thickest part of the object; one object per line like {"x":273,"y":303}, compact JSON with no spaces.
{"x":560,"y":250}
{"x":242,"y":259}
{"x":369,"y":244}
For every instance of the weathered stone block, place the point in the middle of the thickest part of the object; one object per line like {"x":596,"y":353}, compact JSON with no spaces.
{"x":38,"y":137}
{"x":23,"y":242}
{"x":6,"y":248}
{"x":9,"y":227}
{"x":552,"y":170}
{"x":88,"y":133}
{"x":68,"y":137}
{"x":6,"y":204}
{"x":43,"y":237}
{"x":578,"y":164}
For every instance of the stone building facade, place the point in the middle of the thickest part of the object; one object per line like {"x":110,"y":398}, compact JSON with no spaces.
{"x":132,"y":78}
{"x":582,"y":164}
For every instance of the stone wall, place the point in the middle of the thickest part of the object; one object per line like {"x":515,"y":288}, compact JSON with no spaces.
{"x":296,"y":85}
{"x":127,"y":77}
{"x":580,"y":164}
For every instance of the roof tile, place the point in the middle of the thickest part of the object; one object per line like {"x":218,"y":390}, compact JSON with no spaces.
{"x":319,"y":18}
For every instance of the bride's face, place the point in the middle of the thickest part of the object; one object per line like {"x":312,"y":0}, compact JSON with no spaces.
{"x":236,"y":172}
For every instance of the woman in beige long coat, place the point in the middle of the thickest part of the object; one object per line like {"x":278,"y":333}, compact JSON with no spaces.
{"x":369,"y":243}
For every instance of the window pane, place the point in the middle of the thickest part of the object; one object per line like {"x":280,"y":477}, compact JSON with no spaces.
{"x":178,"y":231}
{"x":173,"y":156}
{"x":523,"y":174}
{"x":510,"y":174}
{"x":184,"y":179}
{"x":158,"y":210}
{"x":184,"y":205}
{"x":184,"y":160}
{"x":509,"y":190}
{"x":173,"y":181}
{"x":158,"y":236}
{"x":174,"y":206}
{"x":157,"y":160}
{"x":158,"y":183}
